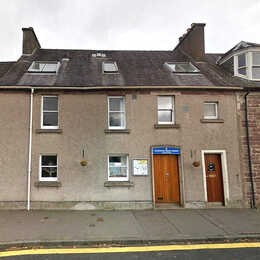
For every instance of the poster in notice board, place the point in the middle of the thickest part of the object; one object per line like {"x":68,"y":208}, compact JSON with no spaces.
{"x":140,"y":167}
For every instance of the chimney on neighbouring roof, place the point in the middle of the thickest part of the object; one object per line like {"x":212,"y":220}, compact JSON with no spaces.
{"x":192,"y":42}
{"x":30,"y":41}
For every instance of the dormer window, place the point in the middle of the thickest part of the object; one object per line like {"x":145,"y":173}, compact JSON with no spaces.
{"x":44,"y":67}
{"x":110,"y":67}
{"x":182,"y":67}
{"x":247,"y":65}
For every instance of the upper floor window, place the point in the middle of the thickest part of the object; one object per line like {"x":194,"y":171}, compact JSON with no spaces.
{"x":165,"y":109}
{"x":110,"y":67}
{"x":210,"y":110}
{"x":116,"y":113}
{"x":44,"y":66}
{"x":50,"y":112}
{"x":247,"y":65}
{"x":182,"y":67}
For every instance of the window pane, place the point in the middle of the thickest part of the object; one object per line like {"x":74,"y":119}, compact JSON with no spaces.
{"x":114,"y":159}
{"x":50,"y":103}
{"x":37,"y":66}
{"x":210,"y":110}
{"x":186,"y":67}
{"x":165,"y":116}
{"x":164,"y":102}
{"x":117,"y":171}
{"x":116,"y":119}
{"x":242,"y":71}
{"x":256,"y":73}
{"x":50,"y":119}
{"x":49,"y":172}
{"x":110,"y":67}
{"x":116,"y":104}
{"x":242,"y":61}
{"x":50,"y":67}
{"x":183,"y":67}
{"x":256,"y":58}
{"x":49,"y":160}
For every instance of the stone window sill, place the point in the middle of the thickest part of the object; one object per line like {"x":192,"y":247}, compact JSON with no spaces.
{"x":117,"y":131}
{"x":118,"y":184}
{"x":47,"y":184}
{"x":57,"y":131}
{"x":159,"y":126}
{"x":211,"y":120}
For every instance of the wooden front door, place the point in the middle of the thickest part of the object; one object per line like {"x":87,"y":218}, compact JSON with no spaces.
{"x":214,"y":178}
{"x":166,"y":178}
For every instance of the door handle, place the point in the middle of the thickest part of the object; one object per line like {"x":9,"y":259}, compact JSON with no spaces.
{"x":167,"y":174}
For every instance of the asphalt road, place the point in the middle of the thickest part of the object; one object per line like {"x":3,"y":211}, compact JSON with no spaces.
{"x":223,"y":254}
{"x":245,"y":253}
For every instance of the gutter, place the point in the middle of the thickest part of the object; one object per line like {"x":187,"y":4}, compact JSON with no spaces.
{"x":120,"y":87}
{"x":30,"y":154}
{"x":253,"y":204}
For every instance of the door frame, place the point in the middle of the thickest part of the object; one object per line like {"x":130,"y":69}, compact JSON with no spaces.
{"x":223,"y":158}
{"x":180,"y":170}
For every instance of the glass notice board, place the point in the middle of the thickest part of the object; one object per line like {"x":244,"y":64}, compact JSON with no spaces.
{"x":140,"y":167}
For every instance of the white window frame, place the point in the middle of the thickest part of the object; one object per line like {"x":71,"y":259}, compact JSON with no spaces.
{"x":51,"y":111}
{"x":173,"y":110}
{"x":31,"y":70}
{"x":249,"y":64}
{"x":41,"y":166}
{"x":127,"y":166}
{"x":109,"y":72}
{"x":124,"y":112}
{"x":216,"y":108}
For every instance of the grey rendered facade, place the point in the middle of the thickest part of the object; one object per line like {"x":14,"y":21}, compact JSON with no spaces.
{"x":83,"y":132}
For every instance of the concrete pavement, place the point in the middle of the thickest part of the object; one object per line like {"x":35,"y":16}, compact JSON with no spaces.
{"x":38,"y":227}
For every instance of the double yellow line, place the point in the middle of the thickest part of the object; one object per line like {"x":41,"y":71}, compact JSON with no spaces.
{"x":126,"y":249}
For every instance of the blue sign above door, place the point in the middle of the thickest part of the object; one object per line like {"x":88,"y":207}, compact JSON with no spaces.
{"x":166,"y":150}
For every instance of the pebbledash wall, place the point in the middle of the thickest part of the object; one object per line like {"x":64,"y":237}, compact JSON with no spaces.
{"x":83,"y":117}
{"x":253,"y":109}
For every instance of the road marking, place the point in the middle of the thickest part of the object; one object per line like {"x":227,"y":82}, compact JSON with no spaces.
{"x":126,"y":249}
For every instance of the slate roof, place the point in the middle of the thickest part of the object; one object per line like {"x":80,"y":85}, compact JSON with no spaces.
{"x":136,"y":68}
{"x":4,"y":67}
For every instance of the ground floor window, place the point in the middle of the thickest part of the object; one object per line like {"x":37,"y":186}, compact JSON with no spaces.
{"x":118,"y":168}
{"x":48,"y":168}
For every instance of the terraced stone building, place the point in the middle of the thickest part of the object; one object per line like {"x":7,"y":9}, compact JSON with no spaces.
{"x":102,"y":129}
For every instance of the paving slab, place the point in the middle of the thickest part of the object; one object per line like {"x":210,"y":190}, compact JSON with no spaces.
{"x":235,"y":221}
{"x":192,"y":223}
{"x":155,"y":226}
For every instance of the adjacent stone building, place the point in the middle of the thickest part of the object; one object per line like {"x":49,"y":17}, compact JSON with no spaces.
{"x":98,"y":129}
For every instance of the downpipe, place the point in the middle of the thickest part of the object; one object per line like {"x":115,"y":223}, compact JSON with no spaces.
{"x":252,"y":202}
{"x":30,"y":154}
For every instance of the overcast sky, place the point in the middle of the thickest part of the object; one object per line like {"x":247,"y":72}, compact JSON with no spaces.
{"x":126,"y":24}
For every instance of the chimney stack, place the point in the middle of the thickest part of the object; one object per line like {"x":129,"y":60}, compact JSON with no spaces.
{"x":193,"y":42}
{"x":30,"y":41}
